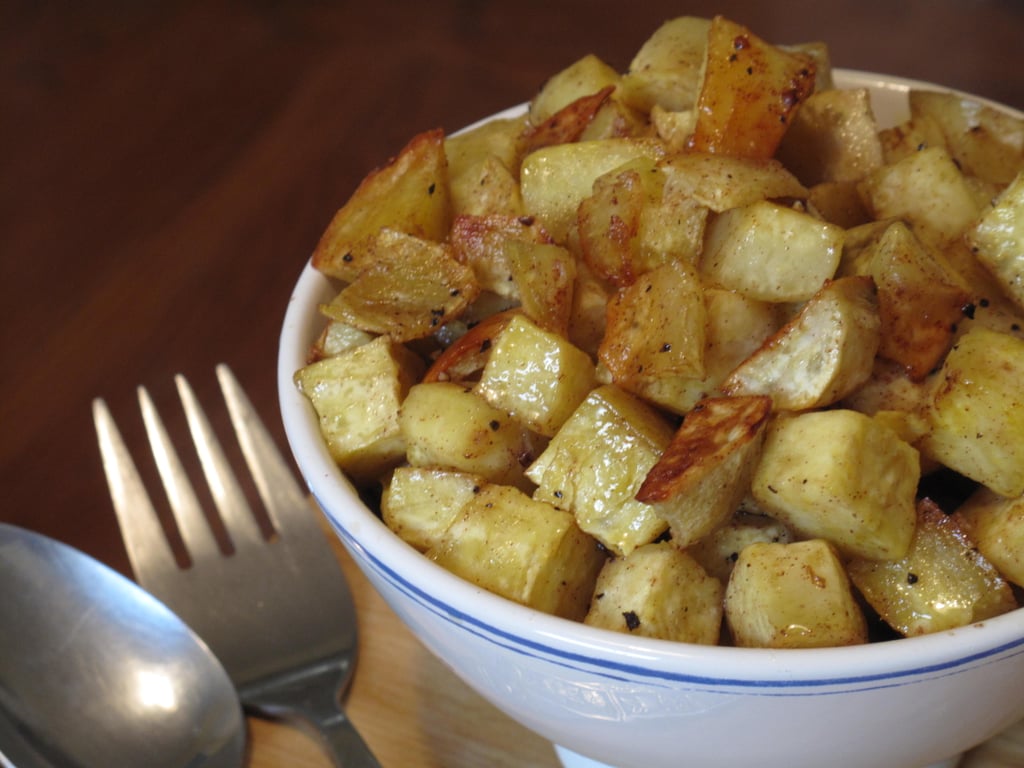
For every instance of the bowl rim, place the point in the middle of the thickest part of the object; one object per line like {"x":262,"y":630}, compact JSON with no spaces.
{"x":526,"y":631}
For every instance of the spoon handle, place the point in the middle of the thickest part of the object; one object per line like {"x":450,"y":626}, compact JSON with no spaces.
{"x":311,"y":699}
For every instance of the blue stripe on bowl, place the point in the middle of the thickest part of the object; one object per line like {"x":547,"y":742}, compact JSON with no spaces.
{"x":624,"y":672}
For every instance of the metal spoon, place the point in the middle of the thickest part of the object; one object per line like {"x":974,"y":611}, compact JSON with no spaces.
{"x":95,"y":672}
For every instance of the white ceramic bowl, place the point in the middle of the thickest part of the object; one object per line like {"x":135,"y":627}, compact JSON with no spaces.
{"x":629,"y":702}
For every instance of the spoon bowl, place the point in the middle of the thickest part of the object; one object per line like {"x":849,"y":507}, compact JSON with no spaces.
{"x":96,"y":672}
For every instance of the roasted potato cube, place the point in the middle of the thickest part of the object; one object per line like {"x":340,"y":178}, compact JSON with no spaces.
{"x":587,"y":318}
{"x":658,"y":590}
{"x":584,"y":77}
{"x":544,"y":275}
{"x":719,"y":550}
{"x":792,"y":596}
{"x":488,"y":187}
{"x":489,"y":138}
{"x":596,"y":462}
{"x":554,"y":180}
{"x":927,"y":190}
{"x":356,"y":396}
{"x":609,"y":221}
{"x":479,"y":242}
{"x":749,"y":93}
{"x":977,"y":411}
{"x":411,"y":288}
{"x":666,"y":70}
{"x":942,"y":582}
{"x":447,"y":426}
{"x":522,"y":549}
{"x":483,"y":164}
{"x":656,"y":328}
{"x":996,"y":526}
{"x":821,"y":355}
{"x":770,"y":252}
{"x":409,"y":194}
{"x":672,"y":228}
{"x":985,"y":142}
{"x":419,"y":503}
{"x":536,"y":376}
{"x":998,"y":240}
{"x":841,"y":476}
{"x":919,"y":302}
{"x":834,"y":137}
{"x":720,"y":182}
{"x":704,"y":473}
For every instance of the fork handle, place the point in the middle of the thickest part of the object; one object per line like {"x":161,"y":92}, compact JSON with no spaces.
{"x":311,"y":700}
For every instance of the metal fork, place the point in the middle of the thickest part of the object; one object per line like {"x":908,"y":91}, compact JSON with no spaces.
{"x":276,"y":611}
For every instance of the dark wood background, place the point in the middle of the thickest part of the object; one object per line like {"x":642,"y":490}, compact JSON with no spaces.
{"x":167,"y":167}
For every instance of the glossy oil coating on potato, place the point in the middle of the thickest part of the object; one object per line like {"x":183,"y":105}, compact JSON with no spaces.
{"x":696,"y":351}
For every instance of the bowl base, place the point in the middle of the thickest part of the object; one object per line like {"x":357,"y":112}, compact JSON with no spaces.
{"x":570,"y":759}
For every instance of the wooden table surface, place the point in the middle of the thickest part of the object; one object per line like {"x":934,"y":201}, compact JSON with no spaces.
{"x":167,"y":167}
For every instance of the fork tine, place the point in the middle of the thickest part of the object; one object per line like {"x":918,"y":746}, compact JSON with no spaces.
{"x":227,"y":493}
{"x":188,"y":512}
{"x":144,"y":539}
{"x":281,"y":494}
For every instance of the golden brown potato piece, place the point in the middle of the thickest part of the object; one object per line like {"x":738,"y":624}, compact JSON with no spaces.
{"x":928,"y":191}
{"x":841,"y":476}
{"x":998,"y":239}
{"x":919,"y":302}
{"x":597,"y":461}
{"x":996,"y":525}
{"x":984,"y":141}
{"x":821,"y":355}
{"x":445,"y":425}
{"x":656,"y":328}
{"x":410,"y":194}
{"x":770,"y":252}
{"x":704,"y":473}
{"x":658,"y":590}
{"x":544,"y":275}
{"x":942,"y":582}
{"x":666,"y":71}
{"x":410,"y":288}
{"x":522,"y":549}
{"x":478,"y":241}
{"x":977,"y":411}
{"x":720,"y":182}
{"x":792,"y":596}
{"x":750,"y":92}
{"x":357,"y":395}
{"x":834,"y":137}
{"x":419,"y":503}
{"x":535,"y":375}
{"x":483,"y":168}
{"x":609,"y":223}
